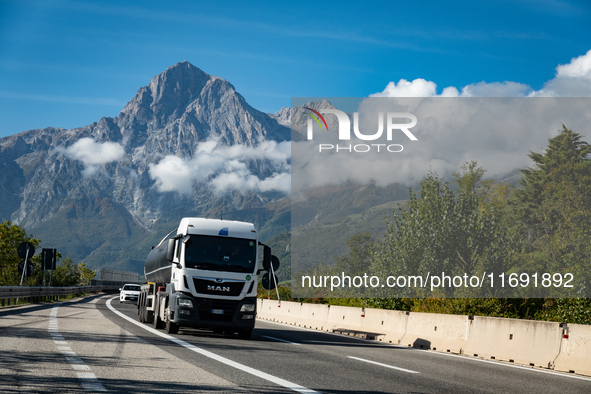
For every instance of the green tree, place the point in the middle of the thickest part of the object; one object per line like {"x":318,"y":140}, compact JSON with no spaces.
{"x":358,"y":261}
{"x":442,"y":231}
{"x":552,"y":220}
{"x":11,"y":235}
{"x":67,"y":273}
{"x":565,"y":149}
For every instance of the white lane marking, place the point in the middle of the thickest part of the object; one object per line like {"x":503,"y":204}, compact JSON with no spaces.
{"x":383,"y":365}
{"x":376,"y":343}
{"x":281,"y":340}
{"x":68,"y":353}
{"x":89,"y":381}
{"x":213,"y":356}
{"x":81,"y":367}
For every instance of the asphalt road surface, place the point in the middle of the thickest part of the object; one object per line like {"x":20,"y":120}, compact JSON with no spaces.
{"x":97,"y":344}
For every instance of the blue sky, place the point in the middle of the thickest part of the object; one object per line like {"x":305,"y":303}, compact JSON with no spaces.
{"x":68,"y":63}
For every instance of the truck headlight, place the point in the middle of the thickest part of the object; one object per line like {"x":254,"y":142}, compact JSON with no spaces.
{"x":186,"y":303}
{"x":247,"y":308}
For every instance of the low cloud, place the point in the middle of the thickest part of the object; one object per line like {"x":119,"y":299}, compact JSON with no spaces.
{"x":496,"y":132}
{"x":93,"y":154}
{"x":224,"y":168}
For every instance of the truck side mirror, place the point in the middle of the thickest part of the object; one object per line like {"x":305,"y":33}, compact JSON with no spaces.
{"x":170,"y":249}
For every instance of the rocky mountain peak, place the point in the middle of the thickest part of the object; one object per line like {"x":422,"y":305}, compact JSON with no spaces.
{"x":167,"y":96}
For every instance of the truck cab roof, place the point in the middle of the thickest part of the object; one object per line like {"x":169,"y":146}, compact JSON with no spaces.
{"x":217,"y":227}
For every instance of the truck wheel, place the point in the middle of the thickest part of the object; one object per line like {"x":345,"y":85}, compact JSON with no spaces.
{"x":245,"y":334}
{"x":171,"y":328}
{"x":142,"y":314}
{"x":157,"y":322}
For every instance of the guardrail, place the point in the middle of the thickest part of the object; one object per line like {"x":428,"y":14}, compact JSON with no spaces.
{"x":38,"y":293}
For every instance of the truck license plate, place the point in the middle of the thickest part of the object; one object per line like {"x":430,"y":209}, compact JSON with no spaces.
{"x":217,"y":311}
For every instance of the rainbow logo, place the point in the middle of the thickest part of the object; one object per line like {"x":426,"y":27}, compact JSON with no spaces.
{"x":316,"y":119}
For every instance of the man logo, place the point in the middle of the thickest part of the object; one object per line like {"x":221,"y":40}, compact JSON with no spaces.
{"x":218,"y":288}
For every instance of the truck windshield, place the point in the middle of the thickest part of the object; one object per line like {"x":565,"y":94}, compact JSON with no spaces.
{"x":220,"y":253}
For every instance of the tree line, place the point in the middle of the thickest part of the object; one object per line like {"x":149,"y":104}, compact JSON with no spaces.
{"x":473,"y":226}
{"x":67,"y":272}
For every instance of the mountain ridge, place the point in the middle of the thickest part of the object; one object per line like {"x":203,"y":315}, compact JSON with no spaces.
{"x":62,"y":180}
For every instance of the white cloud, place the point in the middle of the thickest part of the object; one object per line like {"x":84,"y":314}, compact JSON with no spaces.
{"x":224,"y":168}
{"x":93,"y":154}
{"x":417,"y":88}
{"x":579,"y":67}
{"x":572,"y":80}
{"x":496,"y":89}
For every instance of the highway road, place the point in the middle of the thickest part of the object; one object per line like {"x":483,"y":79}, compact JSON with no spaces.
{"x":96,"y":344}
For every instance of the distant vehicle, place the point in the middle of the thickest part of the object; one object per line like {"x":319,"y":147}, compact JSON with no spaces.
{"x":205,"y":276}
{"x":130,"y":293}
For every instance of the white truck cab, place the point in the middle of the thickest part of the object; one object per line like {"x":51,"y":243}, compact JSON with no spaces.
{"x":205,"y":275}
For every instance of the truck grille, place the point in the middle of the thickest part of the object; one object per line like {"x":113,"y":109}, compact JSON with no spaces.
{"x":205,"y":286}
{"x":206,"y":306}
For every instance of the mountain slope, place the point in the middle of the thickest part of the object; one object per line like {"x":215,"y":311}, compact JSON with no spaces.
{"x":92,"y":192}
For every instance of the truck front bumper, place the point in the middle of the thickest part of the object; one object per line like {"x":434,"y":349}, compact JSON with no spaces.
{"x":214,"y":313}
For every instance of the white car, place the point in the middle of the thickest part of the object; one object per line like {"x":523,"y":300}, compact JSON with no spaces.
{"x":130,"y":293}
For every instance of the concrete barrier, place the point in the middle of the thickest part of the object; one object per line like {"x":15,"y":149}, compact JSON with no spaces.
{"x":286,"y":312}
{"x":313,"y":316}
{"x":391,"y":324}
{"x":444,"y":333}
{"x":266,"y":309}
{"x":347,"y":321}
{"x":575,"y":350}
{"x":528,"y":342}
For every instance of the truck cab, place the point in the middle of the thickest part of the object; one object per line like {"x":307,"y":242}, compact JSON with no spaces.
{"x":203,"y":275}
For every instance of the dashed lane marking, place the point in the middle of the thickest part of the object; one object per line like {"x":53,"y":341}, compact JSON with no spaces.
{"x":88,"y":380}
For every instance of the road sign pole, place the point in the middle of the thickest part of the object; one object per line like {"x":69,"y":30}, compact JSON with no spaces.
{"x":276,"y":284}
{"x":43,"y":253}
{"x":24,"y":268}
{"x":52,"y":264}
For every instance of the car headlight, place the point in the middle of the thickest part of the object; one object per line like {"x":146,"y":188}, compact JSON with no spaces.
{"x":247,"y":308}
{"x":186,"y":303}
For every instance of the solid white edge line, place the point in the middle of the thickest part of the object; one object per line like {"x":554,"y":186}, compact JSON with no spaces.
{"x":383,"y":365}
{"x":280,"y":340}
{"x":213,"y":356}
{"x":467,"y":358}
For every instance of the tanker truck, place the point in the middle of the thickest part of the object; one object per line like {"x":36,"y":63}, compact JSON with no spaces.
{"x":204,"y":275}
